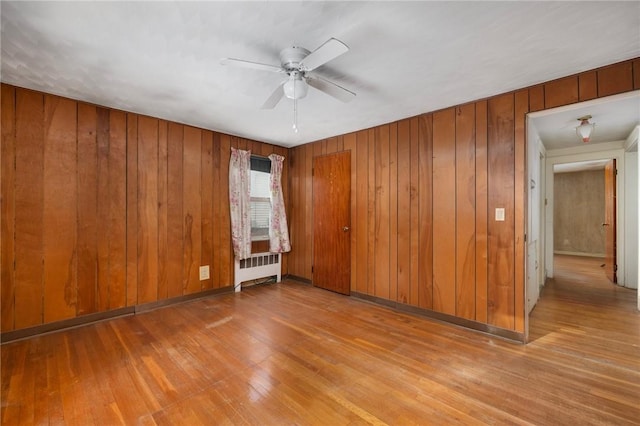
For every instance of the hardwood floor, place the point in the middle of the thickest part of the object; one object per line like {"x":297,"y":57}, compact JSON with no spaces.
{"x":293,"y":354}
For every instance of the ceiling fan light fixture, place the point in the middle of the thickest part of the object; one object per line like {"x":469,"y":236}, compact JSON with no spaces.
{"x":296,"y":87}
{"x":585,"y":128}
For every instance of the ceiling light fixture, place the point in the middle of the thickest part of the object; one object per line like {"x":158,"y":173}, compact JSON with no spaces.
{"x":585,"y":128}
{"x":295,"y":87}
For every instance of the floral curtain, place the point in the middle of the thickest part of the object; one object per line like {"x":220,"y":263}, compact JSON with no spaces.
{"x":240,"y":201}
{"x":278,"y":231}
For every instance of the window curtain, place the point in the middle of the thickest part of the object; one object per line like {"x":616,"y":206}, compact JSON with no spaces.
{"x":240,"y":202}
{"x":278,"y":231}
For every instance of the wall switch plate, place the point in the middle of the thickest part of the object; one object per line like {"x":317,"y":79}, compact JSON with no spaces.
{"x":204,"y":272}
{"x":499,"y":214}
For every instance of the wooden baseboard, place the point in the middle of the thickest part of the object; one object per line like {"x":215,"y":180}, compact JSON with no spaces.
{"x":296,"y":278}
{"x":510,"y":335}
{"x":181,"y":299}
{"x":24,"y":333}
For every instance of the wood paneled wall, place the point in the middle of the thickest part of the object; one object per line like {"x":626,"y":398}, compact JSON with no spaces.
{"x":424,"y":194}
{"x":103,"y":209}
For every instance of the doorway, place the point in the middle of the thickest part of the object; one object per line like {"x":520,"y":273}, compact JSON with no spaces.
{"x":584,"y":218}
{"x":611,"y":115}
{"x":332,"y":222}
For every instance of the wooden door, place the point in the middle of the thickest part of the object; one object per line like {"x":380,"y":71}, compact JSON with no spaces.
{"x":332,"y":222}
{"x":609,"y":224}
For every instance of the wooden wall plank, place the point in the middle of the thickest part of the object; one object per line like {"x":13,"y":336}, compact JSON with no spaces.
{"x":103,"y":208}
{"x":147,"y":209}
{"x":297,"y":164}
{"x":414,"y":293}
{"x":293,"y":216}
{"x":500,"y":142}
{"x":414,"y":167}
{"x":587,"y":86}
{"x":303,"y":248}
{"x":206,"y":160}
{"x":614,"y":79}
{"x":60,"y":204}
{"x":425,"y":211}
{"x":536,"y":98}
{"x":308,"y":211}
{"x":404,"y":211}
{"x":29,"y":208}
{"x":317,"y":149}
{"x":381,"y":258}
{"x":175,"y":222}
{"x":87,"y":209}
{"x":371,"y":212}
{"x":192,"y":209}
{"x":520,"y":193}
{"x":7,"y":194}
{"x":303,"y":213}
{"x":217,"y":205}
{"x":117,"y":209}
{"x":332,"y":145}
{"x":226,"y":253}
{"x":349,"y":144}
{"x":393,"y":210}
{"x":361,"y":223}
{"x":481,"y":212}
{"x":559,"y":92}
{"x":465,"y":211}
{"x":636,"y":74}
{"x":444,"y":211}
{"x":132,"y":209}
{"x":284,"y":152}
{"x":163,"y":209}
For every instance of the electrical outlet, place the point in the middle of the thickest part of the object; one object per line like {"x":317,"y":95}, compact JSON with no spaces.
{"x":204,"y":272}
{"x":499,"y":214}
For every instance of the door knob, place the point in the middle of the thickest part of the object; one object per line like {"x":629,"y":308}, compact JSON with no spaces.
{"x":345,"y":228}
{"x":605,"y":224}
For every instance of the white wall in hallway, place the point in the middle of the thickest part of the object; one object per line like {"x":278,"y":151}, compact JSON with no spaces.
{"x":631,"y":220}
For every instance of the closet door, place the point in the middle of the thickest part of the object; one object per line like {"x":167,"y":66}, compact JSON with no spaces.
{"x":332,"y":222}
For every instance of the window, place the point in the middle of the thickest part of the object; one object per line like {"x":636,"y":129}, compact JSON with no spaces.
{"x":260,"y":198}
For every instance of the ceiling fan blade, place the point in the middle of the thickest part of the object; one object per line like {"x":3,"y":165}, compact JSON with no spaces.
{"x":331,"y":49}
{"x":275,"y":97}
{"x":330,"y":88}
{"x":249,"y":64}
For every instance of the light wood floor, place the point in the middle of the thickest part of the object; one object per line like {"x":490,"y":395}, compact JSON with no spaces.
{"x":293,"y":354}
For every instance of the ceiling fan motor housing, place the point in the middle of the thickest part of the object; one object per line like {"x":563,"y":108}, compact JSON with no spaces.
{"x":291,"y":57}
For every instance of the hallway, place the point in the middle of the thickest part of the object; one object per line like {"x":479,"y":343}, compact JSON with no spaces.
{"x":591,"y":316}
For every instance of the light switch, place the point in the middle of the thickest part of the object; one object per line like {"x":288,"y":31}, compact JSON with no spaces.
{"x":499,"y":214}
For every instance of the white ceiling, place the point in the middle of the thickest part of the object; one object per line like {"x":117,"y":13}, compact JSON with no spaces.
{"x":406,"y":58}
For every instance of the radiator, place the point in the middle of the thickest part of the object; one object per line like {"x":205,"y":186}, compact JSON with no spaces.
{"x":259,"y":265}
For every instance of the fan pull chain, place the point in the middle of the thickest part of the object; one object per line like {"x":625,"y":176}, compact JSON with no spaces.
{"x":295,"y":110}
{"x":295,"y":115}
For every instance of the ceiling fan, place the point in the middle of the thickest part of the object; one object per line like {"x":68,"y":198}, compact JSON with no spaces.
{"x":297,"y":63}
